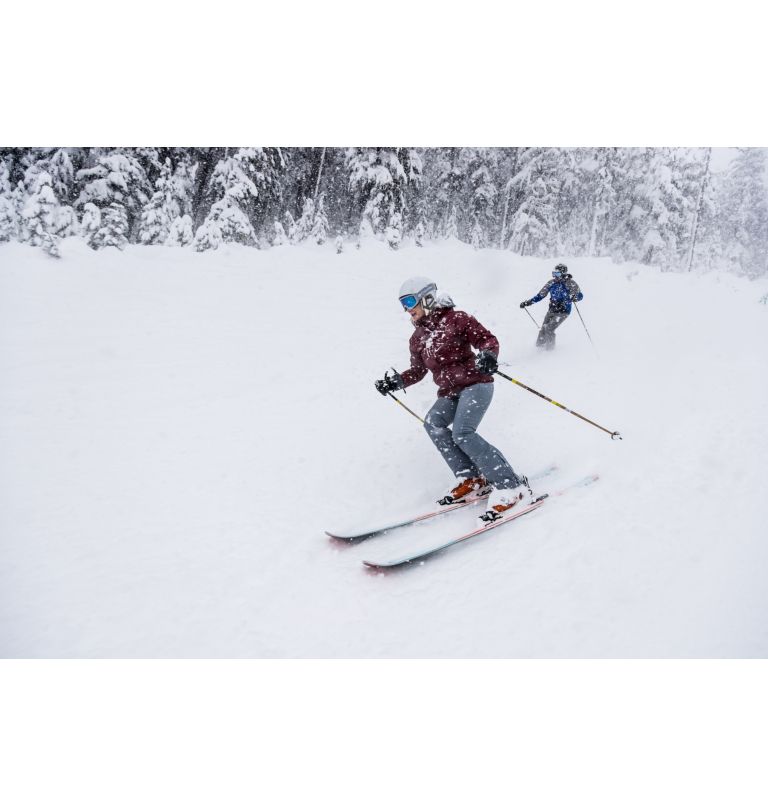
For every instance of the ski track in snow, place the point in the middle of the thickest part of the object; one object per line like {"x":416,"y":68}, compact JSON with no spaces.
{"x":177,"y":430}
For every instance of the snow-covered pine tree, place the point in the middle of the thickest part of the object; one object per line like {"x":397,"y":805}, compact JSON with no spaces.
{"x":66,"y":222}
{"x":394,"y":233}
{"x":300,"y":177}
{"x":568,"y":200}
{"x":320,"y":223}
{"x":236,"y":193}
{"x":247,"y":187}
{"x":161,"y":209}
{"x":90,"y":224}
{"x":621,"y":233}
{"x":114,"y":227}
{"x":709,"y":249}
{"x":481,"y":194}
{"x":149,"y":159}
{"x":208,"y":235}
{"x":459,"y":189}
{"x":155,"y":223}
{"x":33,"y":163}
{"x":9,"y":223}
{"x":180,"y":233}
{"x":290,"y":227}
{"x":420,"y":196}
{"x":58,"y":164}
{"x":18,"y":200}
{"x":267,"y":167}
{"x":477,"y":235}
{"x":305,"y":222}
{"x":50,"y":245}
{"x":374,"y":212}
{"x":452,"y":224}
{"x":378,"y":179}
{"x":412,"y":191}
{"x":364,"y":231}
{"x":744,"y":218}
{"x":62,"y":172}
{"x":654,"y":223}
{"x":597,"y":181}
{"x":441,"y":189}
{"x":40,"y":213}
{"x":118,"y":178}
{"x":339,"y":244}
{"x":279,"y":238}
{"x":419,"y":233}
{"x":5,"y":179}
{"x":182,"y":185}
{"x":9,"y":229}
{"x":533,"y":225}
{"x":672,"y":211}
{"x":701,"y":180}
{"x":642,"y":224}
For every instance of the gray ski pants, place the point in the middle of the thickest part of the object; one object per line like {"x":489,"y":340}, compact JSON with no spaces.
{"x":465,"y":451}
{"x":552,"y":321}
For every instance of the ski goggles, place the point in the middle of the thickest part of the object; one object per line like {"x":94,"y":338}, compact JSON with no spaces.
{"x":409,"y":301}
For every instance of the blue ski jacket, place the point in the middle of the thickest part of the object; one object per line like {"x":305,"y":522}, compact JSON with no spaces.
{"x":561,"y":294}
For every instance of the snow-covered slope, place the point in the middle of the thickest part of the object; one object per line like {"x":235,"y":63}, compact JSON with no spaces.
{"x":178,"y":429}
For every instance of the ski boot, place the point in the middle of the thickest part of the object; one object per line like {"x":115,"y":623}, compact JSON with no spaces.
{"x":465,"y":490}
{"x":501,"y":501}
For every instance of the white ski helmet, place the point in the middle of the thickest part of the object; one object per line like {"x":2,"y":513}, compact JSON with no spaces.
{"x":416,"y":290}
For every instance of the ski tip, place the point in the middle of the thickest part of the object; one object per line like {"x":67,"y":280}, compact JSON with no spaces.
{"x":392,"y":565}
{"x":347,"y":538}
{"x":371,"y":566}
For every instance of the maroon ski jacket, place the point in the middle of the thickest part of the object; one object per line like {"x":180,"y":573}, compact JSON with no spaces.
{"x":442,"y":343}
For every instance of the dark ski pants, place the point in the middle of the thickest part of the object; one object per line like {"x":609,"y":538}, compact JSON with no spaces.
{"x":552,"y":321}
{"x":466,"y":452}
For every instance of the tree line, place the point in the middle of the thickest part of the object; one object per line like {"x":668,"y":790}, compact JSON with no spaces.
{"x":659,"y":206}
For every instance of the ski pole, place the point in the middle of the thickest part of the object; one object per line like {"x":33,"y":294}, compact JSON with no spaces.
{"x":397,"y":400}
{"x":582,"y":322}
{"x":405,"y":407}
{"x":614,"y":434}
{"x":531,"y":315}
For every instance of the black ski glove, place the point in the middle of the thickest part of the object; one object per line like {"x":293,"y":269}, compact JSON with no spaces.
{"x":389,"y":384}
{"x":525,"y":303}
{"x":486,"y":362}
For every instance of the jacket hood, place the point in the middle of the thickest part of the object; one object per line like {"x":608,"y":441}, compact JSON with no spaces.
{"x":443,"y":300}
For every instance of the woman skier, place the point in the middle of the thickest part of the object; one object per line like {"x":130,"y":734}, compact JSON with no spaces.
{"x":562,"y":290}
{"x":442,"y":342}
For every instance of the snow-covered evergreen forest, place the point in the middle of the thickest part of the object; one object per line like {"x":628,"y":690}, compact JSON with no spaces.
{"x":659,"y":206}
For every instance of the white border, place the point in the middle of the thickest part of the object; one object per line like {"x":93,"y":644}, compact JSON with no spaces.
{"x":366,"y":732}
{"x":416,"y":73}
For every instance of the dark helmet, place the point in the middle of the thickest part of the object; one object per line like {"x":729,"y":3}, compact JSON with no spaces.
{"x":561,"y":270}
